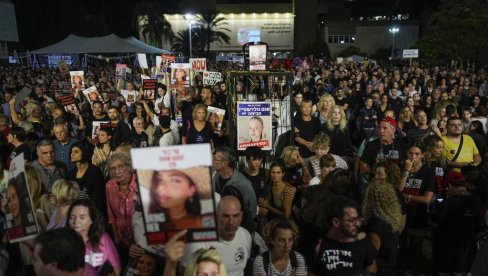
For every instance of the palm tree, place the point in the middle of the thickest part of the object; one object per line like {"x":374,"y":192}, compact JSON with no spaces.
{"x":211,"y":29}
{"x":155,"y":28}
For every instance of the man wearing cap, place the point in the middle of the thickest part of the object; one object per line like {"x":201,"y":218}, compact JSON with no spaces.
{"x":386,"y":147}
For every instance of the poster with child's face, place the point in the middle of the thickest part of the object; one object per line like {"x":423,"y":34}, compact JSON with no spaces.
{"x":91,"y":93}
{"x":254,"y":125}
{"x":176,"y":192}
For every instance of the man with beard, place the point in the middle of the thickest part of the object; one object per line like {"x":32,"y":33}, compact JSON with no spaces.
{"x":120,"y":130}
{"x":344,"y":250}
{"x":97,"y":116}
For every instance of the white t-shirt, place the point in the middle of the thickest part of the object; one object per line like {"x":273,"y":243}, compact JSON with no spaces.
{"x":234,"y":253}
{"x":174,"y":128}
{"x":167,"y":140}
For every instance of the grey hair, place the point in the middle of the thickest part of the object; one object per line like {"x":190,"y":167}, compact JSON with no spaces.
{"x":228,"y":154}
{"x":125,"y":158}
{"x":61,"y":125}
{"x":42,"y":143}
{"x":136,"y":119}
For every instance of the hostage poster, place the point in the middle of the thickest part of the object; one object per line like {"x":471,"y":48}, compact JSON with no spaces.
{"x":77,"y":80}
{"x":254,"y":126}
{"x":19,"y":214}
{"x":69,"y":103}
{"x":215,"y":116}
{"x":149,"y":86}
{"x":176,"y":192}
{"x":91,"y":93}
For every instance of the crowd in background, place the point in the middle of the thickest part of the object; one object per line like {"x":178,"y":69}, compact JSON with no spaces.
{"x":384,"y":170}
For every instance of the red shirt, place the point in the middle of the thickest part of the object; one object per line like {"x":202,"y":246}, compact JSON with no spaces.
{"x":120,"y":209}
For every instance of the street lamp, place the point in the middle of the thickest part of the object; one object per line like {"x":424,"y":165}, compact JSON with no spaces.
{"x":393,"y":31}
{"x":190,"y":21}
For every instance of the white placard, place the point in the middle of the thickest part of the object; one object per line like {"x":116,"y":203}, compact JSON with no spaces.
{"x":411,"y":53}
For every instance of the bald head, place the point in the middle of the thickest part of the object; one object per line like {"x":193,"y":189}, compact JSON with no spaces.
{"x":229,"y":214}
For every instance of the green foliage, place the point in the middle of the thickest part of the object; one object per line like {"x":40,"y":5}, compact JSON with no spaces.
{"x":351,"y":50}
{"x":319,"y":48}
{"x":211,"y":28}
{"x":456,"y":31}
{"x":383,"y":54}
{"x":155,"y":28}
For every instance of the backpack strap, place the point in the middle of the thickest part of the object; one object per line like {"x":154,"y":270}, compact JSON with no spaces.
{"x":459,"y":149}
{"x":293,"y":262}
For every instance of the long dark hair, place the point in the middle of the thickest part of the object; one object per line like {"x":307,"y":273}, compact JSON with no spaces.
{"x":192,"y":205}
{"x":97,"y":227}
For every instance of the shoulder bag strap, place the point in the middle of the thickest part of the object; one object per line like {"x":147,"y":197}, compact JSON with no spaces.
{"x":459,"y":148}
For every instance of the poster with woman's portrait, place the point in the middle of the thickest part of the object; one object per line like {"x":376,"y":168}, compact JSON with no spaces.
{"x":20,"y":216}
{"x":215,"y":116}
{"x":180,"y":74}
{"x":254,"y":125}
{"x":148,"y":264}
{"x":77,"y":80}
{"x":176,"y":192}
{"x":91,"y":93}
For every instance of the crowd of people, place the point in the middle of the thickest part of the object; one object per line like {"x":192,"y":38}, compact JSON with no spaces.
{"x":385,"y":172}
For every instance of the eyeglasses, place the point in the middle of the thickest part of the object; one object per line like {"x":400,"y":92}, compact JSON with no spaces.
{"x":356,"y":220}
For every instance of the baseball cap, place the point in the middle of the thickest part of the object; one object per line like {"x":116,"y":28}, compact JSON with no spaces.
{"x":390,"y":121}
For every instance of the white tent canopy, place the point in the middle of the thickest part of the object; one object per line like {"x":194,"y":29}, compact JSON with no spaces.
{"x":74,"y":44}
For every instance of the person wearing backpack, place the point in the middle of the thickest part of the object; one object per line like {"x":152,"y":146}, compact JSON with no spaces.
{"x":280,"y":235}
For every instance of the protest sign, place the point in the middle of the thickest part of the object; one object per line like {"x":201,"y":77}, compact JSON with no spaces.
{"x":77,"y":80}
{"x":63,"y":67}
{"x":176,"y":192}
{"x":198,"y":64}
{"x":211,"y":78}
{"x":96,"y":126}
{"x":257,"y":57}
{"x":149,"y":86}
{"x":69,"y":103}
{"x":180,"y":74}
{"x":215,"y":116}
{"x":164,"y":64}
{"x":254,"y":125}
{"x":91,"y":93}
{"x":120,"y":70}
{"x":130,"y":96}
{"x":142,"y":61}
{"x":20,"y":215}
{"x":148,"y":264}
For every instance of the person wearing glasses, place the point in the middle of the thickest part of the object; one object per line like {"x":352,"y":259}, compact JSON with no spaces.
{"x":344,"y":250}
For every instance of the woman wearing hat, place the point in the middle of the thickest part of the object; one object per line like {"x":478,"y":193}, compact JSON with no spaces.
{"x":176,"y":194}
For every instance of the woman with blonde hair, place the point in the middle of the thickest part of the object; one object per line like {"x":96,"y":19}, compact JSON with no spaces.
{"x":294,"y":172}
{"x":336,"y":128}
{"x":381,"y":211}
{"x":202,"y":262}
{"x":198,"y":130}
{"x":63,"y":193}
{"x":324,"y":106}
{"x":406,"y":120}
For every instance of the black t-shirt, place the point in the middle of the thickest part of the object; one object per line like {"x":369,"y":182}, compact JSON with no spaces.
{"x":258,"y":182}
{"x":307,"y":130}
{"x":193,"y":136}
{"x":342,"y":101}
{"x":418,"y":184}
{"x":387,"y":254}
{"x":337,"y":258}
{"x":394,"y":152}
{"x":342,"y":144}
